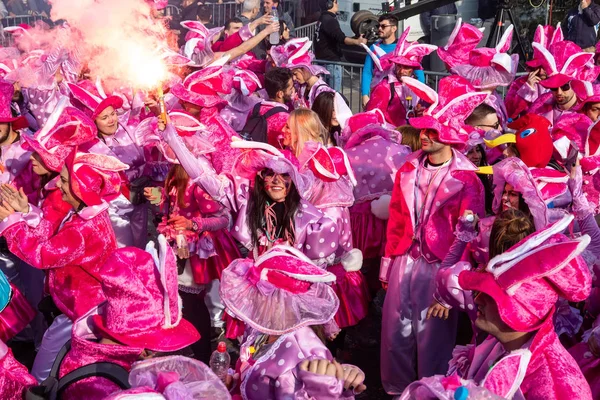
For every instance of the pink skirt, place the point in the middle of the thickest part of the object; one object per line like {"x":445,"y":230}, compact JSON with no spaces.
{"x":352,"y":290}
{"x":368,"y":231}
{"x":234,"y":327}
{"x":209,"y":269}
{"x":15,"y":317}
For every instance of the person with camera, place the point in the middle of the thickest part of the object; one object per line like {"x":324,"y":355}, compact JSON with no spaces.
{"x":581,"y":25}
{"x":328,"y":39}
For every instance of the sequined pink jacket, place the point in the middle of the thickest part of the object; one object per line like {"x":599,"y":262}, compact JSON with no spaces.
{"x":73,"y":256}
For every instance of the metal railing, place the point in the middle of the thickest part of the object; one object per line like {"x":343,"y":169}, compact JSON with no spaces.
{"x":352,"y":82}
{"x":172,"y":11}
{"x":224,"y":12}
{"x":6,"y":40}
{"x":306,"y":31}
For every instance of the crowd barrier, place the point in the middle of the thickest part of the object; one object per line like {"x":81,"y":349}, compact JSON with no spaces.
{"x":306,"y":31}
{"x":6,"y":40}
{"x":352,"y":81}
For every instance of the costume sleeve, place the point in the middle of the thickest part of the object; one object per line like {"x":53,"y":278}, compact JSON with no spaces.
{"x":54,"y":209}
{"x":14,"y":377}
{"x":591,"y":14}
{"x":367,"y":75}
{"x":322,"y":239}
{"x":380,"y":98}
{"x":214,"y":218}
{"x":41,"y":249}
{"x":200,"y":169}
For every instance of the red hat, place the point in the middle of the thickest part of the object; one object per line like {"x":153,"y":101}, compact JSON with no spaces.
{"x":143,"y":308}
{"x":91,"y":104}
{"x":450,"y":107}
{"x":205,"y":87}
{"x":65,"y":129}
{"x":246,"y":82}
{"x":527,"y":280}
{"x":6,"y":92}
{"x":533,"y":140}
{"x":94,"y":176}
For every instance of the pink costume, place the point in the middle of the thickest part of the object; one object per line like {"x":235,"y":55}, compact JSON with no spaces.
{"x":375,"y":156}
{"x":142,"y":311}
{"x":563,"y":62}
{"x":332,"y":193}
{"x":242,"y":99}
{"x":296,"y":295}
{"x":426,"y":204}
{"x":204,"y":89}
{"x":520,"y":95}
{"x":390,"y":95}
{"x":175,"y":378}
{"x":315,"y":234}
{"x":15,"y":314}
{"x":485,"y":68}
{"x":211,"y":246}
{"x":525,"y":282}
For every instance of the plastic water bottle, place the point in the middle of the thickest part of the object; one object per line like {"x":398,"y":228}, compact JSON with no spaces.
{"x":274,"y":37}
{"x":220,"y":360}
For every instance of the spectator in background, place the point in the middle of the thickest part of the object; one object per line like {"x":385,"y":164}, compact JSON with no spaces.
{"x":250,"y":10}
{"x":28,"y":7}
{"x":581,"y":25}
{"x":328,"y":39}
{"x":388,"y":25}
{"x":232,"y":26}
{"x":194,"y":11}
{"x":283,"y":16}
{"x":279,"y":86}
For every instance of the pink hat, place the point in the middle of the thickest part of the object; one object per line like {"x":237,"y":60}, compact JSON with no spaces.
{"x":327,"y":164}
{"x":198,"y":42}
{"x":257,"y":156}
{"x":189,"y":129}
{"x":94,"y":176}
{"x":6,"y":92}
{"x":279,"y":293}
{"x":365,"y":125}
{"x":449,"y":108}
{"x":294,"y":54}
{"x":586,"y":92}
{"x":91,"y":104}
{"x":175,"y":378}
{"x":574,"y":127}
{"x":563,"y":62}
{"x":463,"y":39}
{"x":527,"y":280}
{"x":514,"y":172}
{"x":407,"y":53}
{"x":143,"y":308}
{"x":544,"y":36}
{"x":205,"y":87}
{"x":158,"y":4}
{"x":65,"y":129}
{"x":246,"y":82}
{"x":489,"y":68}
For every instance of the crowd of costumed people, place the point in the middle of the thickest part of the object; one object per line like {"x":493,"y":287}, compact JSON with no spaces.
{"x":156,"y":200}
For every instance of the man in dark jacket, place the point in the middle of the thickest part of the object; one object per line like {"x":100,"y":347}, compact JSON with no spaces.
{"x":581,"y":25}
{"x":328,"y":39}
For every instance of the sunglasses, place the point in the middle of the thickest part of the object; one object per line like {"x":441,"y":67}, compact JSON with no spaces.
{"x":269,"y":174}
{"x":493,"y":126}
{"x":564,"y":88}
{"x":383,"y":26}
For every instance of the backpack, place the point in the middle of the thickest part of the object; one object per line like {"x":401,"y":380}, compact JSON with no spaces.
{"x":256,"y":127}
{"x":52,"y":387}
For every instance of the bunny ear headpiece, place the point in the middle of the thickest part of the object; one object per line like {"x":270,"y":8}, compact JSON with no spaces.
{"x":563,"y":61}
{"x":407,"y":53}
{"x":449,"y":108}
